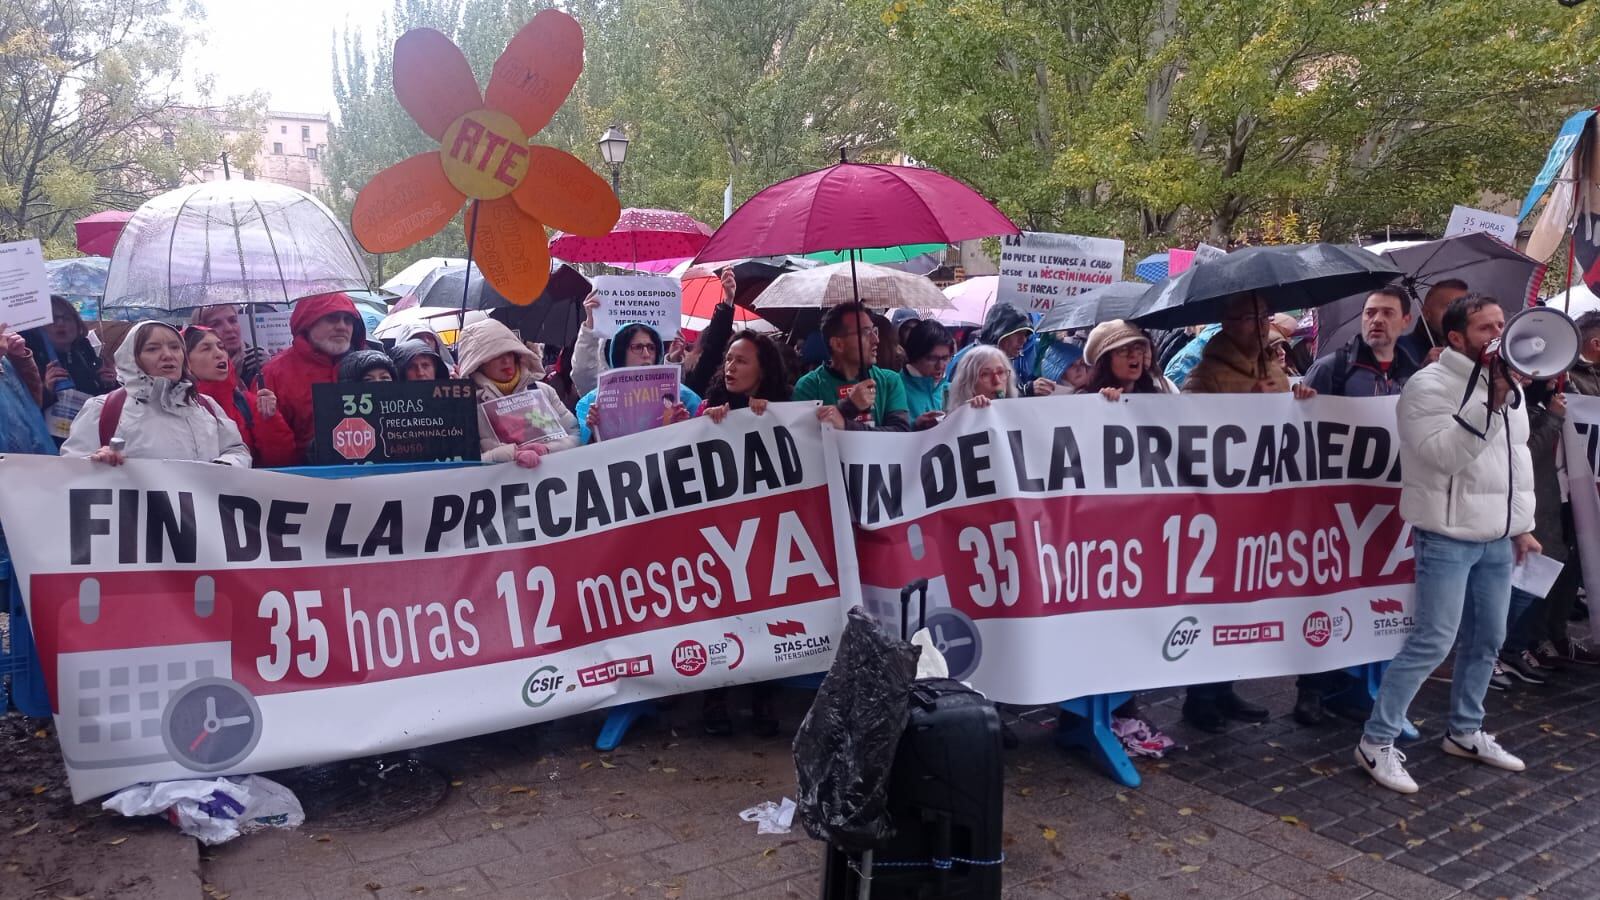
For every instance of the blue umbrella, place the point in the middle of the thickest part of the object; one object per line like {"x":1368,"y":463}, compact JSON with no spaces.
{"x":1152,"y":268}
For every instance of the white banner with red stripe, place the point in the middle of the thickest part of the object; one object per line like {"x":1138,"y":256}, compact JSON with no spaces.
{"x":193,"y":619}
{"x":1073,"y":546}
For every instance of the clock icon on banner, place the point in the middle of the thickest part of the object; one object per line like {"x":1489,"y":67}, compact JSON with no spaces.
{"x":955,"y":636}
{"x":211,"y":724}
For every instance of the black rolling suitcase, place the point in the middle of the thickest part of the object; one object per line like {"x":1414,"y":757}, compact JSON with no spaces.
{"x":946,"y":799}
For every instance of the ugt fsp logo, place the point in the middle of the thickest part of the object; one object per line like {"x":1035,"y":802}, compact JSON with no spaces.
{"x":1181,"y":639}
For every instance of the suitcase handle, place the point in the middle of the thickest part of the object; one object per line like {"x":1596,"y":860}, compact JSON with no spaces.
{"x":919,"y":587}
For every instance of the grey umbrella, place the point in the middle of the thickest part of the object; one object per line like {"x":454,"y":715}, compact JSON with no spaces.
{"x":1088,"y":309}
{"x":1287,"y":277}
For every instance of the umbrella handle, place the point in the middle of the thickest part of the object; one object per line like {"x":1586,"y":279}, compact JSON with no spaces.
{"x":466,"y":283}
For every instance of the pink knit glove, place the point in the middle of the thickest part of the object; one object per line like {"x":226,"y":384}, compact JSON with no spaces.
{"x":528,"y":455}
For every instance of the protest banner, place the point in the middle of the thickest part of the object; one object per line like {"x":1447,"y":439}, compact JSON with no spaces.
{"x":1466,"y":220}
{"x":1038,"y":269}
{"x":1581,"y":445}
{"x":196,"y":620}
{"x":24,"y":287}
{"x":524,"y":417}
{"x":655,"y":300}
{"x":394,"y":421}
{"x":1156,"y":542}
{"x":635,"y":399}
{"x":272,"y":332}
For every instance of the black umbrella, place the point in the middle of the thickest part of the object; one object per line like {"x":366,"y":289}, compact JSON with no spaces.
{"x":1088,"y":309}
{"x":553,"y":318}
{"x":1288,"y":277}
{"x":442,"y":287}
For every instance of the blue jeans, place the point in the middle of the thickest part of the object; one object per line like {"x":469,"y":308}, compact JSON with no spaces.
{"x":1462,"y":587}
{"x":1525,"y":624}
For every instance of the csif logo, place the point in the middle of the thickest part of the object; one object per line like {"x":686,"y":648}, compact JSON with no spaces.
{"x":1181,"y":639}
{"x":542,"y":685}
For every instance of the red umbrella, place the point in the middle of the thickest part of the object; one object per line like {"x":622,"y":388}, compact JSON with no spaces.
{"x":97,"y":234}
{"x":640,"y":235}
{"x":853,"y":206}
{"x":701,"y":296}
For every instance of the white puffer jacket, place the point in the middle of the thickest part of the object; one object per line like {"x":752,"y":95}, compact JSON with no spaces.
{"x":161,"y":418}
{"x":1456,"y":482}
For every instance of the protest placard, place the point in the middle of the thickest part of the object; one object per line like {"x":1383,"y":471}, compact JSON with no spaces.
{"x":1039,"y":269}
{"x":24,"y":288}
{"x":524,"y":417}
{"x":655,"y":300}
{"x":635,"y":399}
{"x":272,"y":332}
{"x":394,"y":421}
{"x":1465,"y":220}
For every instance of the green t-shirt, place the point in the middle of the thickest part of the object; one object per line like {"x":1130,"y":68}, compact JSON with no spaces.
{"x":825,"y":384}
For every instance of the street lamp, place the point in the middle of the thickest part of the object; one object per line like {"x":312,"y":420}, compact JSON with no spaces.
{"x":614,"y":149}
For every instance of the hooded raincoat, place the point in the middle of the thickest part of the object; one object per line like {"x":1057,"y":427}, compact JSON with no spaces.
{"x":618,"y":354}
{"x":291,"y":373}
{"x":483,"y":341}
{"x":161,"y":418}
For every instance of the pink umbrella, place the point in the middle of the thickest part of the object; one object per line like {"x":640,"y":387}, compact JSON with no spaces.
{"x":640,"y":235}
{"x":97,"y":234}
{"x":852,"y":206}
{"x":971,"y":300}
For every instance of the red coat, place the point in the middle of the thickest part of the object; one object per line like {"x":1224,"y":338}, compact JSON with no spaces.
{"x":290,"y":374}
{"x":270,"y":441}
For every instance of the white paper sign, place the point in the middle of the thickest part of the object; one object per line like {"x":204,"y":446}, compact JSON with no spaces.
{"x":1536,"y":574}
{"x":24,"y":291}
{"x":272,"y":332}
{"x":1038,"y":269}
{"x":1465,"y":220}
{"x":655,"y":300}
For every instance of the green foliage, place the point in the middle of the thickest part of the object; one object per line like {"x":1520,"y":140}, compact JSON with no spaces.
{"x":88,"y":101}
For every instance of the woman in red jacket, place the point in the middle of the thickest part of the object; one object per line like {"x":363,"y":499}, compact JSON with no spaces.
{"x":268,"y":436}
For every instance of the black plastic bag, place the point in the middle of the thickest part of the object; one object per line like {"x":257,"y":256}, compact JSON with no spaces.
{"x":845,"y":748}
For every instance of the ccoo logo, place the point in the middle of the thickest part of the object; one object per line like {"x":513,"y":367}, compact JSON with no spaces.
{"x":1181,"y":639}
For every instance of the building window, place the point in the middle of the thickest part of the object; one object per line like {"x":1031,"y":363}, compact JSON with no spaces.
{"x":305,"y":132}
{"x":277,"y":148}
{"x":311,"y":154}
{"x":283,"y":129}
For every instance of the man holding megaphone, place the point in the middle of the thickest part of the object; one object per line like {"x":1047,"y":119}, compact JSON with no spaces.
{"x":1468,"y":495}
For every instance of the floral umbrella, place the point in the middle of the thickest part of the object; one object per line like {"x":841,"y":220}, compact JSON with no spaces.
{"x":484,"y":156}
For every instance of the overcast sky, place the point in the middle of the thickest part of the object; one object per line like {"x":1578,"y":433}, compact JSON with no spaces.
{"x":282,"y":47}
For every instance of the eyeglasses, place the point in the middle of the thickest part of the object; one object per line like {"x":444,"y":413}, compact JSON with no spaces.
{"x":642,"y":347}
{"x":942,"y":359}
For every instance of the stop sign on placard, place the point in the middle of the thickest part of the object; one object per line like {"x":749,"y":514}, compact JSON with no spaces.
{"x":354,"y":439}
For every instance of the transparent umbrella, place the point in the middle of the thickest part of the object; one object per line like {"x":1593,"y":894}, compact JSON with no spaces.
{"x":243,"y":242}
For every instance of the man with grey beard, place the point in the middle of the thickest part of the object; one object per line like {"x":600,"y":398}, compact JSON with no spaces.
{"x":326,"y":327}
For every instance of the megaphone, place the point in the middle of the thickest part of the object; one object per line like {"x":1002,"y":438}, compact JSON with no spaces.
{"x":1537,"y":343}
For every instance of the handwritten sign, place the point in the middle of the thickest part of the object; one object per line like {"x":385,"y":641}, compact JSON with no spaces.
{"x":1465,"y":220}
{"x":394,"y":421}
{"x":24,"y":294}
{"x":1039,"y":269}
{"x":655,"y":300}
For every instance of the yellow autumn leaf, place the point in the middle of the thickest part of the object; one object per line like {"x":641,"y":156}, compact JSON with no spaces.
{"x":1292,"y":820}
{"x":1190,"y":868}
{"x":26,"y":830}
{"x":607,"y":765}
{"x":1049,"y":833}
{"x":118,"y":842}
{"x":1185,"y":811}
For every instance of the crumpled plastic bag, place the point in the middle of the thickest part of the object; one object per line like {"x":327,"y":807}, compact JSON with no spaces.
{"x":771,"y":818}
{"x":213,"y":811}
{"x":930,"y":662}
{"x":846,"y":745}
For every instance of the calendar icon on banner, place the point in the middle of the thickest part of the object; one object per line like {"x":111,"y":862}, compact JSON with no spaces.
{"x":135,"y":705}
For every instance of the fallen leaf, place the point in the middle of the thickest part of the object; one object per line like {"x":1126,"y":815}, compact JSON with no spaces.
{"x":457,"y":783}
{"x":1048,"y":833}
{"x":323,"y":839}
{"x":27,"y":830}
{"x":1190,"y":868}
{"x":373,"y":886}
{"x":118,"y":842}
{"x":1415,"y":842}
{"x":1278,"y":789}
{"x":1024,"y":792}
{"x":1464,"y":792}
{"x":669,"y":770}
{"x":770,"y":851}
{"x":1401,"y":824}
{"x":1376,"y":856}
{"x":629,"y":816}
{"x":1563,"y":767}
{"x":607,"y":765}
{"x":517,"y":789}
{"x":39,"y":789}
{"x":1324,"y":770}
{"x":1195,"y":840}
{"x":1269,"y":759}
{"x":1475,"y":827}
{"x":1185,"y":811}
{"x":41,"y":733}
{"x":496,"y":826}
{"x":586,"y":765}
{"x":1292,"y":820}
{"x":1121,"y":797}
{"x":416,"y":890}
{"x":1546,"y":857}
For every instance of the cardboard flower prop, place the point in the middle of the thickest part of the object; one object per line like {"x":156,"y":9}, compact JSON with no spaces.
{"x":484,"y":156}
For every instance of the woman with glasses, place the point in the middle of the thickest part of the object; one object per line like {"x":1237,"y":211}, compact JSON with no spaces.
{"x":254,"y":413}
{"x":928,"y":349}
{"x":636,"y":344}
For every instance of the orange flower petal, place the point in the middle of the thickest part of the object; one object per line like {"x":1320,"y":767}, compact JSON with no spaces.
{"x":511,"y":250}
{"x":533,"y":77}
{"x":405,"y":203}
{"x":433,"y":81}
{"x":564,"y":193}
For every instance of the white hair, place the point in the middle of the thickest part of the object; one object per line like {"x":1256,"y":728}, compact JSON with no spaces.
{"x":964,"y":383}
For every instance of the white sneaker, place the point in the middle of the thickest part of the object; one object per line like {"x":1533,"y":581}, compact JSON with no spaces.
{"x":1384,"y":764}
{"x":1480,"y":746}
